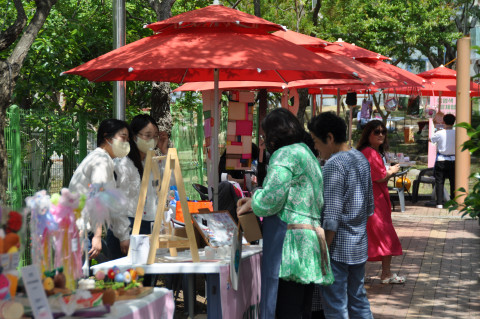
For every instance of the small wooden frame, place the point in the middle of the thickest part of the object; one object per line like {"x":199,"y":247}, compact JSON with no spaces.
{"x":216,"y":228}
{"x":168,"y":240}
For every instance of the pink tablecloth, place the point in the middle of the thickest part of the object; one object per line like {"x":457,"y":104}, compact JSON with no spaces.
{"x":244,"y":302}
{"x":159,"y":305}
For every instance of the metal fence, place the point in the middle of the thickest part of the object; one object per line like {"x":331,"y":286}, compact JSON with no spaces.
{"x":43,"y":149}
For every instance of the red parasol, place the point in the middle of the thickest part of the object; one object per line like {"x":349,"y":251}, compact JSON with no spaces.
{"x":356,"y":52}
{"x":441,"y":81}
{"x":201,"y":46}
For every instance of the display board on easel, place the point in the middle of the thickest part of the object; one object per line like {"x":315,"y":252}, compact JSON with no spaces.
{"x":217,"y":228}
{"x":168,"y":240}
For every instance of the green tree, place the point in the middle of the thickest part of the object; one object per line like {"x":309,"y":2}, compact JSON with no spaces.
{"x":15,"y":42}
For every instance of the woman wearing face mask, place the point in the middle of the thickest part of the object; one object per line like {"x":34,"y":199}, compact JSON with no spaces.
{"x":129,"y":170}
{"x":98,"y":168}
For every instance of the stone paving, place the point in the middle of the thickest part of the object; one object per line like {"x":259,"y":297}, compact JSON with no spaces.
{"x":441,"y":259}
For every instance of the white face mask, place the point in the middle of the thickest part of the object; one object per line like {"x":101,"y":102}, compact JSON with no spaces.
{"x":144,"y":146}
{"x":120,"y":149}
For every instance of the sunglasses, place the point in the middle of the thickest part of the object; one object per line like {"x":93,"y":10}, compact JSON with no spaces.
{"x":379,"y":131}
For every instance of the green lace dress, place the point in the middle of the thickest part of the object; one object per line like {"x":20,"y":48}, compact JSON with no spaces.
{"x":293,"y":189}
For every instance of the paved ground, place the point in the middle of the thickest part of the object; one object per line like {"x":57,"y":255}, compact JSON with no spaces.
{"x":441,"y":261}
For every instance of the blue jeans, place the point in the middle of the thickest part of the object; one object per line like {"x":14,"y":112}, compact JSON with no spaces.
{"x":346,"y":298}
{"x":273,"y":233}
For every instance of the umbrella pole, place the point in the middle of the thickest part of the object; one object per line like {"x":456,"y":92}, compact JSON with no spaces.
{"x":314,"y":105}
{"x":215,"y":136}
{"x":439,"y":101}
{"x":350,"y":126}
{"x":321,"y":101}
{"x":338,"y":102}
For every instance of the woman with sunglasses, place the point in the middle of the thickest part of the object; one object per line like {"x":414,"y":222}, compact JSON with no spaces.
{"x":383,"y":242}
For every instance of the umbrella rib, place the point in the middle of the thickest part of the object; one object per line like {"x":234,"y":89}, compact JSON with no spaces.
{"x":94,"y":80}
{"x":281,"y":77}
{"x":184,"y":75}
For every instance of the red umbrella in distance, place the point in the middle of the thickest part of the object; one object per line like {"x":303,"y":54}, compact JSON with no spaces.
{"x":356,"y":52}
{"x":441,"y":81}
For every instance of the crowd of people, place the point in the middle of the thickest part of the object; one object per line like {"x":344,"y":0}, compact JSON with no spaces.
{"x":320,"y":225}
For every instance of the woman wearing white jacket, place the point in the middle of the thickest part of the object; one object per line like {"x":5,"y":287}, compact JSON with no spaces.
{"x":98,"y":168}
{"x":129,"y":170}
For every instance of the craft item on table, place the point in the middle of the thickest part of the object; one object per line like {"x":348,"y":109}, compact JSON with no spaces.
{"x":118,"y":284}
{"x":67,"y":239}
{"x":43,"y":227}
{"x":217,"y":228}
{"x":101,"y":207}
{"x":55,"y":282}
{"x":11,"y":309}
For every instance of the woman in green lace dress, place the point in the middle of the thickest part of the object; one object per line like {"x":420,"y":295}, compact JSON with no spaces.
{"x":295,"y":256}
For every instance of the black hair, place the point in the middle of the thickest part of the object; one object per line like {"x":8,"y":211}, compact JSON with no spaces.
{"x":328,"y":122}
{"x":108,"y":128}
{"x":137,"y":124}
{"x":367,"y":130}
{"x":134,"y":153}
{"x":449,"y":119}
{"x":281,"y":128}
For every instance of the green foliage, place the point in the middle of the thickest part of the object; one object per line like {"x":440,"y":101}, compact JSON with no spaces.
{"x":471,"y":200}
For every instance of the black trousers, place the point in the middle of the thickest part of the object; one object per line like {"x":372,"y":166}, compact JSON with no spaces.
{"x":442,"y":171}
{"x":294,"y":300}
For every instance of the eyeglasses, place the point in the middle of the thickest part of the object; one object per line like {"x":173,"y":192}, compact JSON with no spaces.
{"x":379,"y":131}
{"x":149,"y":136}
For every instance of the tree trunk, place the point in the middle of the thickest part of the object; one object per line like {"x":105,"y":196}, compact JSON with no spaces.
{"x":302,"y":104}
{"x":256,"y":8}
{"x":10,"y":69}
{"x":161,"y":106}
{"x":160,"y":102}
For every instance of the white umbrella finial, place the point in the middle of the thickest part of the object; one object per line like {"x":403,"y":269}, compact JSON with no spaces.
{"x":216,"y":2}
{"x":130,"y":69}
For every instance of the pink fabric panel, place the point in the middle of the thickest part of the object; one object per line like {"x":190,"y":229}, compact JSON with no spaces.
{"x":245,"y":302}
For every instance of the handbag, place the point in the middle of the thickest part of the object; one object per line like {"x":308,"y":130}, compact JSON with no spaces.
{"x":351,"y":98}
{"x":391,"y":104}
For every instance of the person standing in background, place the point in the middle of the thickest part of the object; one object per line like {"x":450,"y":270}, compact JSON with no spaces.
{"x":383,"y":242}
{"x":98,"y":168}
{"x":348,"y":203}
{"x":295,"y":256}
{"x":445,"y":162}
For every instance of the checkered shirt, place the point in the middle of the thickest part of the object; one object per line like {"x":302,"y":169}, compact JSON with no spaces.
{"x":348,"y":201}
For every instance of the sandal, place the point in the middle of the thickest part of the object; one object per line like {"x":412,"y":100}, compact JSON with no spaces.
{"x":393,"y":280}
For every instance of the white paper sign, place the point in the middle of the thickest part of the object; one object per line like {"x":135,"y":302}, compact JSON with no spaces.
{"x":236,"y":258}
{"x":36,"y":294}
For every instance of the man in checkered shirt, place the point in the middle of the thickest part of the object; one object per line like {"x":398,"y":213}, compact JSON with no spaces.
{"x":348,"y":202}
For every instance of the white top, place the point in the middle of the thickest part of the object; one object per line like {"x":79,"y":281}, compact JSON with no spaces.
{"x":97,"y":168}
{"x":128,"y":181}
{"x":445,"y":141}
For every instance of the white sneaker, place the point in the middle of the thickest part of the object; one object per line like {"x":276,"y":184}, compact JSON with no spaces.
{"x":439,"y":206}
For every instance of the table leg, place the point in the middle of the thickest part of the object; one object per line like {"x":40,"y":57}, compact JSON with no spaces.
{"x":190,"y":295}
{"x":214,"y":301}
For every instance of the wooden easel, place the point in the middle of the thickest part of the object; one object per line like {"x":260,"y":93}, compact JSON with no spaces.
{"x":168,"y":240}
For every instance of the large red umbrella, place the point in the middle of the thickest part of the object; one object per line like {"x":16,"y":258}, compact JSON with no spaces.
{"x":200,"y":45}
{"x":442,"y":81}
